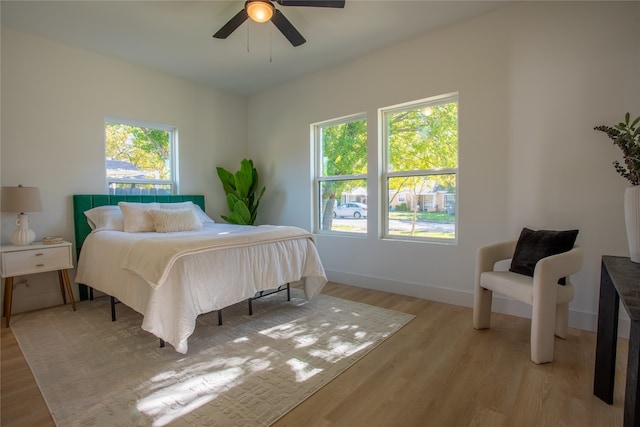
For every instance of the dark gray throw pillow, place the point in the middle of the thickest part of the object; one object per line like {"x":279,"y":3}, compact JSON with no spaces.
{"x":533,"y":245}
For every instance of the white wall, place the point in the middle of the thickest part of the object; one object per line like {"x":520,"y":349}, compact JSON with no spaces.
{"x":54,"y":100}
{"x":534,"y":79}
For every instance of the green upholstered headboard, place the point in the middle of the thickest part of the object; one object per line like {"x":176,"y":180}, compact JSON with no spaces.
{"x":84,"y":202}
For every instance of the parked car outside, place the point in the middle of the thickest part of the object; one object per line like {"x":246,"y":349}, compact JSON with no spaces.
{"x":351,"y":210}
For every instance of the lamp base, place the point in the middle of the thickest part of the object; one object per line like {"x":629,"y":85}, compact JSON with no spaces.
{"x":23,"y":235}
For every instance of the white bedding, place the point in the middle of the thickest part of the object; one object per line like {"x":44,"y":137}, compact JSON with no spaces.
{"x":198,"y":282}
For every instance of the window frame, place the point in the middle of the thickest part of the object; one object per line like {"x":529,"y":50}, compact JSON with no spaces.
{"x":173,"y":152}
{"x":386,"y":175}
{"x":318,"y":178}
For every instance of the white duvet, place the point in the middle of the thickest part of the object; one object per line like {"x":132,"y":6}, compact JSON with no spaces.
{"x":201,"y":278}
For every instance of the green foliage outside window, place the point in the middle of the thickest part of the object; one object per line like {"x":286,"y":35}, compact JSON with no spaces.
{"x":344,"y":149}
{"x":421,"y":162}
{"x":422,"y":158}
{"x":424,"y":138}
{"x":344,"y":154}
{"x":148,"y":150}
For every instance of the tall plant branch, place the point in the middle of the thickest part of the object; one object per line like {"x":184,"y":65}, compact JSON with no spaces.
{"x":626,"y":135}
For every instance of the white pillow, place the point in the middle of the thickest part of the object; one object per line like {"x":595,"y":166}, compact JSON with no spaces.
{"x":180,"y":205}
{"x":169,"y":220}
{"x":136,"y":216}
{"x":188,"y":205}
{"x":107,"y":217}
{"x":204,"y":218}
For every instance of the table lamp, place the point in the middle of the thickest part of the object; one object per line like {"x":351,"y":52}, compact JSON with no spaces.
{"x":21,"y":199}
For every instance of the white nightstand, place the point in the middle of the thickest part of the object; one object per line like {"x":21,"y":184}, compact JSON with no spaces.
{"x":33,"y":259}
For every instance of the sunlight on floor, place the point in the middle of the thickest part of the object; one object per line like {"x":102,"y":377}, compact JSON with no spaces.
{"x":174,"y":394}
{"x":301,"y":369}
{"x":170,"y":403}
{"x":338,"y":349}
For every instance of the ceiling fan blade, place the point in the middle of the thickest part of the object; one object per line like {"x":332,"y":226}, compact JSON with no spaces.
{"x":312,"y":3}
{"x":231,"y":26}
{"x":287,"y":28}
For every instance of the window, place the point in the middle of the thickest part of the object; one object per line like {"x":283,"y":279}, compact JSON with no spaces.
{"x":340,"y":172}
{"x":420,"y":144}
{"x":140,"y":157}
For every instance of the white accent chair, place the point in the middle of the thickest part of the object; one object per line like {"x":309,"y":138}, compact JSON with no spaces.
{"x":549,"y":300}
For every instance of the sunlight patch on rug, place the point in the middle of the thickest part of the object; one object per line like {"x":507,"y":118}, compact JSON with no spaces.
{"x":248,"y":372}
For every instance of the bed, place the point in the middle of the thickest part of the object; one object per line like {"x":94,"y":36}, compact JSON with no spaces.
{"x":170,"y":276}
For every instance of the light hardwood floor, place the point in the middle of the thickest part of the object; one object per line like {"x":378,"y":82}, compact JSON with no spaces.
{"x":436,"y":371}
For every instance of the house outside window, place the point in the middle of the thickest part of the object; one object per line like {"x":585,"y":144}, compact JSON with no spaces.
{"x":420,"y":146}
{"x":340,"y":175}
{"x":140,"y":157}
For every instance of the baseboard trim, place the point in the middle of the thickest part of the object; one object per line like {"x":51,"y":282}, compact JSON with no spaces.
{"x":577,"y":319}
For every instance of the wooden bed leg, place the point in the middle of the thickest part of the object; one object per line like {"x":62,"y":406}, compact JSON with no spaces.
{"x":219,"y":317}
{"x":288,"y":292}
{"x":113,"y":309}
{"x":250,"y":306}
{"x":161,"y":343}
{"x":90,"y":293}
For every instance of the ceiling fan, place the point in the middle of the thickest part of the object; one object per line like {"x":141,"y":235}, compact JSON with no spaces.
{"x":264,"y":10}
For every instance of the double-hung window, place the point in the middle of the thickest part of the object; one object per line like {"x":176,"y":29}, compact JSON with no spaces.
{"x":420,"y":172}
{"x":341,"y":175}
{"x":140,"y":157}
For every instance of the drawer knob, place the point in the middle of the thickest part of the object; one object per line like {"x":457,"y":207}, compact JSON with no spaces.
{"x":39,"y":265}
{"x":39,"y":254}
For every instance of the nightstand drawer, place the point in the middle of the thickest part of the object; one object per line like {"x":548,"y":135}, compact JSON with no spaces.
{"x":35,"y":260}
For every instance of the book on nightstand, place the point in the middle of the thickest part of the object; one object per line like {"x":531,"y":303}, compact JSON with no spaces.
{"x":51,"y":240}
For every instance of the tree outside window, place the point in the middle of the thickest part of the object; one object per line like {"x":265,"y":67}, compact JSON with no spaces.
{"x":341,"y":168}
{"x":421,"y":167}
{"x":139,"y":157}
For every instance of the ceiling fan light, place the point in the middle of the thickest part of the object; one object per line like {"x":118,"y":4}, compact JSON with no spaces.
{"x":259,"y":10}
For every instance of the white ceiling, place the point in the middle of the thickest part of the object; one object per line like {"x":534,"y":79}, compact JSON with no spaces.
{"x":176,"y":36}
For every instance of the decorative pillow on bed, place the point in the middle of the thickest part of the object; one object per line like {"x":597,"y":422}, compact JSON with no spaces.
{"x":179,"y":205}
{"x":107,"y":217}
{"x":204,"y":218}
{"x":136,"y":216}
{"x":532,"y":246}
{"x":169,"y":220}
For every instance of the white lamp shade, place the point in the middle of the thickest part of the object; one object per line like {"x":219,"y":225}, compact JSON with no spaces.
{"x":21,"y":199}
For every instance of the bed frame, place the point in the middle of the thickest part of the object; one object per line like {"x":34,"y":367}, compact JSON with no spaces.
{"x":84,"y":202}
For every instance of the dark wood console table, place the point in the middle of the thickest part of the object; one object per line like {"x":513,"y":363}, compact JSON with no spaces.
{"x":619,"y":280}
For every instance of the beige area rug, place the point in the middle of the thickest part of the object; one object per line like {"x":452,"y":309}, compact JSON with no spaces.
{"x":250,"y":371}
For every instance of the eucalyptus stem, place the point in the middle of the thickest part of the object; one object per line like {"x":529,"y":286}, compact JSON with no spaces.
{"x":626,"y":135}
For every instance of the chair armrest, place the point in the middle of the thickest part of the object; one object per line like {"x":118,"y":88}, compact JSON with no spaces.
{"x":487,"y":256}
{"x":554,"y":267}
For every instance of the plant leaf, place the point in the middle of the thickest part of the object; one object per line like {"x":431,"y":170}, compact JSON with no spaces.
{"x":241,"y":209}
{"x":227,"y":179}
{"x":232,"y":199}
